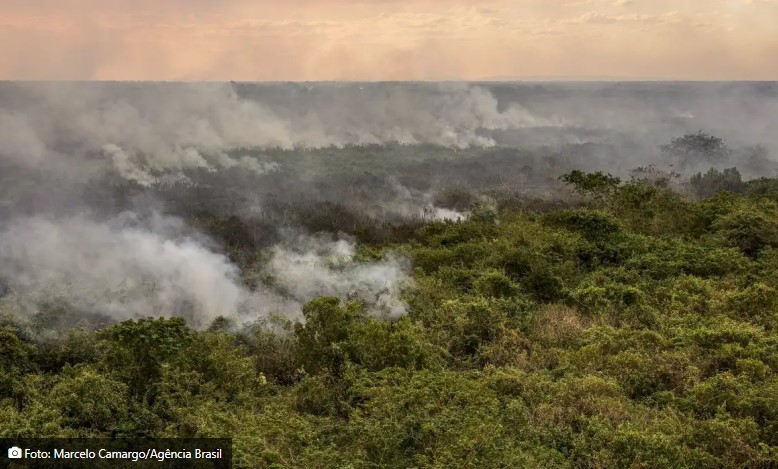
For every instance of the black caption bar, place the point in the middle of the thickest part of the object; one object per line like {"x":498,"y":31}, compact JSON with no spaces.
{"x":137,"y":453}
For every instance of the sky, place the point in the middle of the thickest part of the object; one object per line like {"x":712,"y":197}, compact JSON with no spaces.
{"x":313,"y":40}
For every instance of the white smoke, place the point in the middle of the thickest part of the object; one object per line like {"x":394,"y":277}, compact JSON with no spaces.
{"x":409,"y":204}
{"x":19,"y":139}
{"x":146,"y":130}
{"x":309,"y":267}
{"x":153,"y":133}
{"x":117,"y":270}
{"x":126,"y":269}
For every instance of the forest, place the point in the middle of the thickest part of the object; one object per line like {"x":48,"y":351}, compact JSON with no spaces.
{"x":632,"y":326}
{"x":361,"y":301}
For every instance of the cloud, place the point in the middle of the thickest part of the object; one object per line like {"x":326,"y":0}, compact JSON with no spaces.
{"x":616,"y":3}
{"x":344,"y":39}
{"x":594,"y":17}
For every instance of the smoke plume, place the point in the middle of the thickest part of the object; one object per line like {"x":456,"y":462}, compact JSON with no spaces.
{"x":101,"y":184}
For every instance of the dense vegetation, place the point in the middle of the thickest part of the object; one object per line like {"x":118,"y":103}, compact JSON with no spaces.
{"x":636,"y":327}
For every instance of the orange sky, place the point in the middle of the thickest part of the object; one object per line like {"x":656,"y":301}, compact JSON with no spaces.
{"x":388,"y":39}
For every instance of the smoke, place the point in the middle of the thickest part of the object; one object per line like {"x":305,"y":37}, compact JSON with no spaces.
{"x":19,"y":139}
{"x":410,"y":204}
{"x":289,"y":154}
{"x":117,"y":270}
{"x":127,"y":267}
{"x":308,"y":267}
{"x":134,"y":168}
{"x":453,"y":115}
{"x":145,"y":130}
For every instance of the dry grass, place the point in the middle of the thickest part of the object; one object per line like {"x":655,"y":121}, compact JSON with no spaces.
{"x":558,"y":325}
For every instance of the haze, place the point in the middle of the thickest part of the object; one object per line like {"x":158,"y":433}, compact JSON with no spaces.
{"x":388,"y":40}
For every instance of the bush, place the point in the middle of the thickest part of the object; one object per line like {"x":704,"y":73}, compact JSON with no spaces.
{"x":136,"y":350}
{"x":714,"y":181}
{"x":593,"y":225}
{"x":90,"y":401}
{"x":750,"y":231}
{"x":495,"y":284}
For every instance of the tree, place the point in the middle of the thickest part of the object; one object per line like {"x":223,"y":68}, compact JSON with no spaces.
{"x":136,"y":350}
{"x":323,"y":338}
{"x":653,"y":176}
{"x":693,"y":149}
{"x":598,"y":185}
{"x":715,"y":181}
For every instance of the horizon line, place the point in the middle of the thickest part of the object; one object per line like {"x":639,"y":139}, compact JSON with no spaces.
{"x":452,"y":80}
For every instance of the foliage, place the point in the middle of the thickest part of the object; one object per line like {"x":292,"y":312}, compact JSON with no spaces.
{"x":640,"y":330}
{"x":715,"y":181}
{"x":698,"y":148}
{"x":598,"y":185}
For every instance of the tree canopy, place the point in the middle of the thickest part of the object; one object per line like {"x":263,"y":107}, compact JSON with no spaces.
{"x":637,"y":328}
